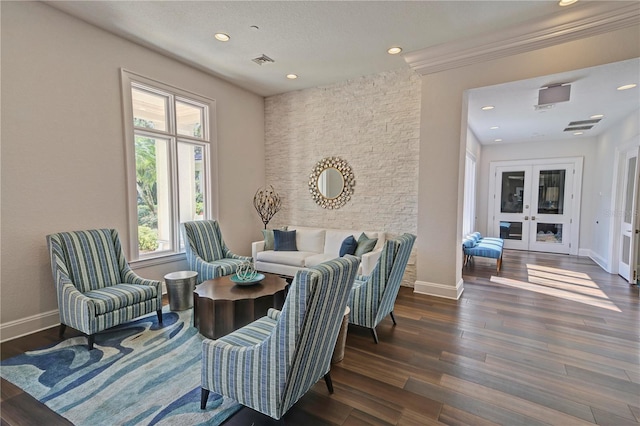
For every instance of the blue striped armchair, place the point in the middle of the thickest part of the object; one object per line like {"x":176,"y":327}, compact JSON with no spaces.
{"x":374,"y":296}
{"x":271,"y":363}
{"x":96,"y":288}
{"x":206,"y":251}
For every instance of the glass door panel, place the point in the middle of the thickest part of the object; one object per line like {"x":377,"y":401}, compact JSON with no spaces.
{"x":551,"y":191}
{"x":512,"y":200}
{"x":551,"y":219}
{"x":512,"y":191}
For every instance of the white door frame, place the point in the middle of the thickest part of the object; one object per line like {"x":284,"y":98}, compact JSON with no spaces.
{"x":617,"y":203}
{"x":575,"y":200}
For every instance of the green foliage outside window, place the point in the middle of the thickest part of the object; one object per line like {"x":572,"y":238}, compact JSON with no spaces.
{"x":147,"y":238}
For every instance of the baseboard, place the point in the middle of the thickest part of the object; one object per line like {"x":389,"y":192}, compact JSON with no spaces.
{"x":599,"y":260}
{"x":439,"y":290}
{"x":24,"y":326}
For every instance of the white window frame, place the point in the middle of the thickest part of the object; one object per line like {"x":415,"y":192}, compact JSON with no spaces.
{"x":470,"y":181}
{"x":128,"y":80}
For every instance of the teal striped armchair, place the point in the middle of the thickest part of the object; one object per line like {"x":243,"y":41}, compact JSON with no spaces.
{"x":96,"y":288}
{"x":374,"y":296}
{"x":271,"y":363}
{"x":206,"y":251}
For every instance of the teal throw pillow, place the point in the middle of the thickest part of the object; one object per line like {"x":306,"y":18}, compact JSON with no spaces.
{"x":284,"y":240}
{"x":349,"y":246}
{"x":268,"y":237}
{"x":365,"y":244}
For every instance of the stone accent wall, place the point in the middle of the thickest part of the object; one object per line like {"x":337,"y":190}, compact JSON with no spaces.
{"x":373,"y":123}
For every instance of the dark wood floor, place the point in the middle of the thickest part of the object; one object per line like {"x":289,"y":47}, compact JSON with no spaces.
{"x":552,"y":340}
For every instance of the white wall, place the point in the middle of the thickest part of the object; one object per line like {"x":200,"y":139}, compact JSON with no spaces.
{"x":373,"y":123}
{"x":603,"y":242}
{"x":585,"y":148}
{"x":63,"y":163}
{"x":443,"y":143}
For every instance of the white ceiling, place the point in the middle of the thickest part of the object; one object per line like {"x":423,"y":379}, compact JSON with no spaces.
{"x":593,"y":91}
{"x":325,"y":42}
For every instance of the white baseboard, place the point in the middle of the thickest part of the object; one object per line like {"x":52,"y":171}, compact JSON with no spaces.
{"x":439,"y":290}
{"x":599,"y":260}
{"x":24,"y":326}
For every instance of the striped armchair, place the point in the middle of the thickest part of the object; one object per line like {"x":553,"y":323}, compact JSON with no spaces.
{"x":96,"y":288}
{"x":206,"y":251}
{"x":271,"y":363}
{"x":373,"y":296}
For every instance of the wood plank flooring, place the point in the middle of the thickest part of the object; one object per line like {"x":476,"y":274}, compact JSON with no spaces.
{"x":552,"y":340}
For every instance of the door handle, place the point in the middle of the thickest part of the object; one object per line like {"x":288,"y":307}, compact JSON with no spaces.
{"x":533,"y":218}
{"x":526,"y":218}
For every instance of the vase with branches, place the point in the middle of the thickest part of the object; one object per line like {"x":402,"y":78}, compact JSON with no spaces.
{"x":267,"y":203}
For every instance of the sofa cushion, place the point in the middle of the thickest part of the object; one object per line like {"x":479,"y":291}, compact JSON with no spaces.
{"x":334,"y":238}
{"x":284,"y":240}
{"x":291,"y":258}
{"x":348,"y":246}
{"x":365,"y":244}
{"x":317,"y":259}
{"x":310,"y":240}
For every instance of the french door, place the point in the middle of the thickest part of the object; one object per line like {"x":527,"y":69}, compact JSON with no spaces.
{"x":534,"y":204}
{"x":629,"y":227}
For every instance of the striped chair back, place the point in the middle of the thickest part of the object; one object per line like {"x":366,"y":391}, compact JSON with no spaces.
{"x":92,"y":258}
{"x":404,"y":244}
{"x":203,"y":237}
{"x":308,"y":327}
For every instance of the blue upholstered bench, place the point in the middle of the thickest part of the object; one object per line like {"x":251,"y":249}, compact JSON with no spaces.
{"x":476,"y":245}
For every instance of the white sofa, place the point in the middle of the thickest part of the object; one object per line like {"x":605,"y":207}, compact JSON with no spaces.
{"x":315,"y":245}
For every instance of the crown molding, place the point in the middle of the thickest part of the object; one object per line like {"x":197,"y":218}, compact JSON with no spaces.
{"x":580,"y":21}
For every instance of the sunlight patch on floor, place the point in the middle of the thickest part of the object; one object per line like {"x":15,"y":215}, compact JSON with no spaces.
{"x":562,"y":283}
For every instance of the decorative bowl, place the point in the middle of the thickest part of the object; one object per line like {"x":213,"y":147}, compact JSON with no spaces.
{"x":256,"y":279}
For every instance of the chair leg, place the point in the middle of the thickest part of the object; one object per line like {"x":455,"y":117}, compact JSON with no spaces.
{"x":92,"y":339}
{"x":393,"y":318}
{"x":327,"y":379}
{"x":159,"y":312}
{"x":204,"y":396}
{"x":63,"y":327}
{"x":375,"y":335}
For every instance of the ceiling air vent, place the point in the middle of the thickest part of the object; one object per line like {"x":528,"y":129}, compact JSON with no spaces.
{"x":582,"y":125}
{"x":262,"y":59}
{"x":571,"y":129}
{"x":583,"y":122}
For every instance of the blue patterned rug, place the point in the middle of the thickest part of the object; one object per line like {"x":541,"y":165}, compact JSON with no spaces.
{"x":139,"y":373}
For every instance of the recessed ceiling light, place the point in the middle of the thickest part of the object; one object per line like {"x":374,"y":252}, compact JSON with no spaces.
{"x":577,"y":133}
{"x":597,"y":116}
{"x":627,"y":86}
{"x":222,"y":37}
{"x":566,"y":2}
{"x":487,"y":107}
{"x":394,"y":50}
{"x":292,"y":76}
{"x":494,"y":128}
{"x":497,"y":140}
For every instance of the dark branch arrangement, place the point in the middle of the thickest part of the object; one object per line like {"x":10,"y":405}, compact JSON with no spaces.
{"x":267,"y":203}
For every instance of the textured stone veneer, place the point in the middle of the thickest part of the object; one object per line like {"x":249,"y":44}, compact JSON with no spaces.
{"x":372,"y":122}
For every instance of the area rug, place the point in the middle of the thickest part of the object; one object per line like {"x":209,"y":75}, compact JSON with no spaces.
{"x":140,"y":373}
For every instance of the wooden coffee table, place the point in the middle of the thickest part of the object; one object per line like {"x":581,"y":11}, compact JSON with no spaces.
{"x":221,"y":306}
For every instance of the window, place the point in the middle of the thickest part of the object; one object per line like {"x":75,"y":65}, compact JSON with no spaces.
{"x":469,"y":213}
{"x":168,"y":161}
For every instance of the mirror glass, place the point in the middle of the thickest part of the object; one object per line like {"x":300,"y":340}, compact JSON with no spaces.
{"x":330,"y":183}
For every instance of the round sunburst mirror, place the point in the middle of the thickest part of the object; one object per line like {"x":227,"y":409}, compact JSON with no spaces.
{"x":331,"y":183}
